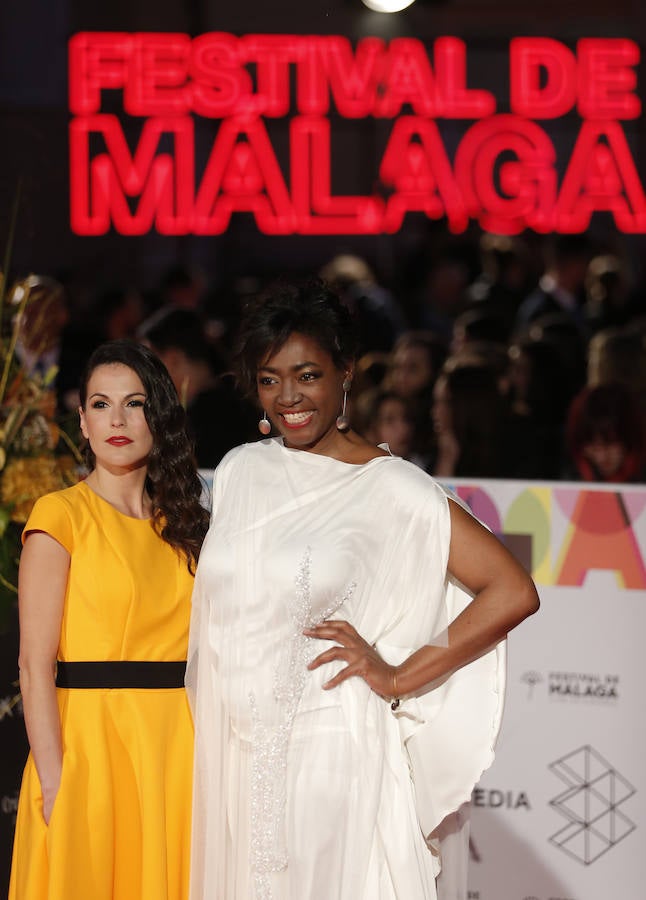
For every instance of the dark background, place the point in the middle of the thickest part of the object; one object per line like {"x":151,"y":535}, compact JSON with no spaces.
{"x":34,"y":120}
{"x":33,"y":148}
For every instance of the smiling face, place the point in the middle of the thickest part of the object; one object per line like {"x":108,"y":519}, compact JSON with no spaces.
{"x":113,"y":420}
{"x":301,"y":390}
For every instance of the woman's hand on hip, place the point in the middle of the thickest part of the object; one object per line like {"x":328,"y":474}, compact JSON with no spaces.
{"x":361,"y":657}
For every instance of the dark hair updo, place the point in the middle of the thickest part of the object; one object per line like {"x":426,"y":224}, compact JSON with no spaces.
{"x":311,"y":309}
{"x":172,"y":481}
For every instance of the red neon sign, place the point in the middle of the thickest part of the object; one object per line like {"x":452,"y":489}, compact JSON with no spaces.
{"x":504,"y":171}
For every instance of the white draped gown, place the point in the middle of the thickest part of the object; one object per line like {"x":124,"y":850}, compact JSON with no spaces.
{"x":302,"y":793}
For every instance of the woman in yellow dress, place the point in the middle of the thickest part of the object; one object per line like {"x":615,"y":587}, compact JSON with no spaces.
{"x":105,"y":581}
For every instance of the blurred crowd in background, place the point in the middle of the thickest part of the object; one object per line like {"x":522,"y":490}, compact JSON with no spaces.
{"x":495,"y":357}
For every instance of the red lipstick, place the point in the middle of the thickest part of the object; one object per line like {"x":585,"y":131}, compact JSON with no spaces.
{"x":299,"y":420}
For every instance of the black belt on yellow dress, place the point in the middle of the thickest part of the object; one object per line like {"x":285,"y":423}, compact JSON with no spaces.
{"x":120,"y":674}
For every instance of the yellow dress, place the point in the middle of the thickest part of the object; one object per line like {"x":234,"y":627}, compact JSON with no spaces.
{"x":120,"y":827}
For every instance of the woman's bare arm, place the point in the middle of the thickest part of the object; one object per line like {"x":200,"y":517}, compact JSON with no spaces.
{"x":42,"y":582}
{"x":504,"y":595}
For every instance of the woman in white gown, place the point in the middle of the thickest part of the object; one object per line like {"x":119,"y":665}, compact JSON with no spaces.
{"x":330,"y":740}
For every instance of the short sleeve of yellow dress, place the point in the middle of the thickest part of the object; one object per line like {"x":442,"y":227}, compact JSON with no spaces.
{"x":120,"y":827}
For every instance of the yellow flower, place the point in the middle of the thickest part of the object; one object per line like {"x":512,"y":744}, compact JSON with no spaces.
{"x":26,"y":479}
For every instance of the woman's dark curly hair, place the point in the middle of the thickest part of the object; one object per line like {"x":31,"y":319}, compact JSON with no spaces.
{"x":309,"y":308}
{"x":172,"y":481}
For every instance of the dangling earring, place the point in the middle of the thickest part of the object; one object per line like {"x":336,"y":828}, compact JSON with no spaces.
{"x":264,"y":426}
{"x":343,"y":422}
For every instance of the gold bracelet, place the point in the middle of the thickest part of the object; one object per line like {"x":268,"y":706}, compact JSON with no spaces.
{"x":394,"y":703}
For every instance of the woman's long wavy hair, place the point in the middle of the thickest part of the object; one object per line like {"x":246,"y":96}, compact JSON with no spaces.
{"x":172,"y":481}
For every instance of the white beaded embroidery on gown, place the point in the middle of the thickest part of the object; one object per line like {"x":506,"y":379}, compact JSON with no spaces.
{"x":302,"y":793}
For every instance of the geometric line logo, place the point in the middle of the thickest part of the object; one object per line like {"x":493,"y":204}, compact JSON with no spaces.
{"x":594,"y":791}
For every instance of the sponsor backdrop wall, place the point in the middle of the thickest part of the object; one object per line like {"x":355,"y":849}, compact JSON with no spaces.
{"x":561,"y":813}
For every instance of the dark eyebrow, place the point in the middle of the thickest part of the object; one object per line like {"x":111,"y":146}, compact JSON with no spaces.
{"x":295,"y":368}
{"x":127,"y":397}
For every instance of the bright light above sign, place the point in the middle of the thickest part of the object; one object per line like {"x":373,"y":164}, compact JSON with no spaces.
{"x":137,"y":171}
{"x":388,"y":6}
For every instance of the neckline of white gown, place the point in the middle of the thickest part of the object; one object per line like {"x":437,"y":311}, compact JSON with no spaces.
{"x":322,"y":459}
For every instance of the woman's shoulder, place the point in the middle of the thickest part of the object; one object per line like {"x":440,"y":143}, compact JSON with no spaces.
{"x":241,"y":455}
{"x":238,"y":462}
{"x":404,"y":470}
{"x":58,"y":514}
{"x":405,"y":479}
{"x":69,"y":498}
